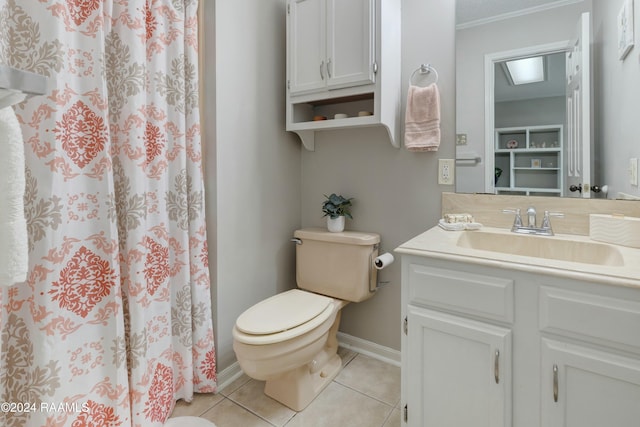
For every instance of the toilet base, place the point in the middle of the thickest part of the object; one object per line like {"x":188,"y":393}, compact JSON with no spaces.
{"x":297,"y":388}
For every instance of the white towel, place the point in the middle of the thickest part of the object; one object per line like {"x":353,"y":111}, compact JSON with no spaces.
{"x":422,"y":118}
{"x":14,"y":249}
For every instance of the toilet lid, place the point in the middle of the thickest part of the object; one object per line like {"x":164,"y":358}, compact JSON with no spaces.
{"x":282,"y":312}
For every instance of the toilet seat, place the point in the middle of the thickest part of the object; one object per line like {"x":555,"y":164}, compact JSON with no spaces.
{"x":282,"y":317}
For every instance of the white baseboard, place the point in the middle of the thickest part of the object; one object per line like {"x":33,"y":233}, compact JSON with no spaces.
{"x":368,"y":348}
{"x":228,"y":375}
{"x":371,"y":349}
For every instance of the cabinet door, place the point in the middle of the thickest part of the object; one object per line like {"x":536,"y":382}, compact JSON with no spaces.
{"x":459,"y":371}
{"x":583,"y":387}
{"x":306,"y":38}
{"x":350,"y":42}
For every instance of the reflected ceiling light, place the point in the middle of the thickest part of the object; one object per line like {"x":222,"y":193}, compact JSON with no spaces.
{"x":527,"y":70}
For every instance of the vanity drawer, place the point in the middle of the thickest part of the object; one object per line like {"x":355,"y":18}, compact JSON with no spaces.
{"x":597,"y":318}
{"x":479,"y":295}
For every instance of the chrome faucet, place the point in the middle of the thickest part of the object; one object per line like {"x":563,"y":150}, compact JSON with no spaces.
{"x":531,"y":216}
{"x":531,"y":228}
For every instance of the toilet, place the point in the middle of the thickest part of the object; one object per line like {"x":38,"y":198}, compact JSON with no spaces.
{"x":289,"y":340}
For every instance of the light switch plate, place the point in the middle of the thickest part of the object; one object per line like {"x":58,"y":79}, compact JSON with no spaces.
{"x":446,"y":171}
{"x":633,"y":171}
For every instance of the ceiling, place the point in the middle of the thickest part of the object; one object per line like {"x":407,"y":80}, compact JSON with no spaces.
{"x":469,"y":11}
{"x":554,"y":85}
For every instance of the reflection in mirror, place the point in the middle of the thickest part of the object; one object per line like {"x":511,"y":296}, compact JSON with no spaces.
{"x":492,"y":28}
{"x":526,"y":156}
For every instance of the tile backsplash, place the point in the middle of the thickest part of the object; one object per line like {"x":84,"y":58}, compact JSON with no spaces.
{"x":487,"y":209}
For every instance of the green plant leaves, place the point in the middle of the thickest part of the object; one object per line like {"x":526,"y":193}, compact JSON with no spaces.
{"x":336,"y":205}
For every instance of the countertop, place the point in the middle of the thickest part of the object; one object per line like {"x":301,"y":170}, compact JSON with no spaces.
{"x":437,"y":243}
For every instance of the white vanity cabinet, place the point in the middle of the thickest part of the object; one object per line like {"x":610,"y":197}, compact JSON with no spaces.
{"x":458,"y":347}
{"x":456,"y":362}
{"x":343,"y":58}
{"x":590,"y":357}
{"x":585,"y":387}
{"x":487,"y":345}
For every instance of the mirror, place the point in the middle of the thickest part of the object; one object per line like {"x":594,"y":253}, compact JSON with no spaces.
{"x":489,"y":30}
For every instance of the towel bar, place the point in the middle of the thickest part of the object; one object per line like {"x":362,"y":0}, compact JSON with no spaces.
{"x":468,"y":161}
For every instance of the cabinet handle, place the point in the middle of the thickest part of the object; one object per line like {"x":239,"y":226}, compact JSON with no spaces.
{"x":329,"y":67}
{"x":496,"y":367}
{"x":555,"y":383}
{"x":322,"y":70}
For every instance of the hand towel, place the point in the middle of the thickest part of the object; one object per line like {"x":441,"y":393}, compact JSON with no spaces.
{"x":422,"y":119}
{"x":14,"y":249}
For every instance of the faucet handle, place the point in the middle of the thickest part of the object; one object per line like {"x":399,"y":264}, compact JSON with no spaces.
{"x":546,"y":221}
{"x":517,"y":222}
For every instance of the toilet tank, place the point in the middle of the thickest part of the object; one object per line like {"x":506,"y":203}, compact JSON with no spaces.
{"x":338,"y":265}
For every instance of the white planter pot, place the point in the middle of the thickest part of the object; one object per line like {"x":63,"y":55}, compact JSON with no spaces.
{"x":335,"y":225}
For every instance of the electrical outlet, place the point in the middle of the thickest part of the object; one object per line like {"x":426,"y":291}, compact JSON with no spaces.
{"x":633,"y":171}
{"x":461,"y":139}
{"x":446,"y":171}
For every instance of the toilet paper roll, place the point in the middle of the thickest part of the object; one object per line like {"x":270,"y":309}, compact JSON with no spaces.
{"x":383,"y":260}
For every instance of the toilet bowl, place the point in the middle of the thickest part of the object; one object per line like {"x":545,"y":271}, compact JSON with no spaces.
{"x":298,"y":360}
{"x":290,"y":340}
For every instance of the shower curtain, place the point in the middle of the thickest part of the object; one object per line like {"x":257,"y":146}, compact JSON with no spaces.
{"x":114,"y":321}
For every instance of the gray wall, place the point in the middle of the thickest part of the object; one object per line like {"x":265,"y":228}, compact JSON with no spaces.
{"x":262,"y":185}
{"x":472,"y":44}
{"x":396,"y":192}
{"x":253,"y":165}
{"x":617,"y":99}
{"x":531,"y":112}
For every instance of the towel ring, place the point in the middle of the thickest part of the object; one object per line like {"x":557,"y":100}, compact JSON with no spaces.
{"x":424,"y":69}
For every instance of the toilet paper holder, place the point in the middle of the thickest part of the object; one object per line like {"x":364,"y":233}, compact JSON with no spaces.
{"x":383,"y":261}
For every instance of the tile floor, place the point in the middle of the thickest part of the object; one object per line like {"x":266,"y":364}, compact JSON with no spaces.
{"x":365,"y":393}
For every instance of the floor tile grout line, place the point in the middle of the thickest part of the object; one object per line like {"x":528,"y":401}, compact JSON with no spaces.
{"x":253,"y":412}
{"x":227,"y":396}
{"x":367,"y":395}
{"x":213,"y":406}
{"x":393,"y":409}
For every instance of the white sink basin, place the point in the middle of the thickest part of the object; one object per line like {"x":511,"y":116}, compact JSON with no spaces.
{"x":555,"y":248}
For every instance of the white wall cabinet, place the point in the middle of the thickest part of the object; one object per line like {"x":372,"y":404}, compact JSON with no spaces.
{"x":568,"y":351}
{"x":331,"y":44}
{"x":343,"y":57}
{"x":306,"y":45}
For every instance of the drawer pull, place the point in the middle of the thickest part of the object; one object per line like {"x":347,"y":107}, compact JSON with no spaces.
{"x":555,"y":383}
{"x":496,"y":367}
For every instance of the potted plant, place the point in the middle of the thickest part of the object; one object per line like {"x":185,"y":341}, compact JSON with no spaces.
{"x":336,"y":208}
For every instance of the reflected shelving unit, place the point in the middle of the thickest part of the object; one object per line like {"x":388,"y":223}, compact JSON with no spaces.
{"x":531,"y":159}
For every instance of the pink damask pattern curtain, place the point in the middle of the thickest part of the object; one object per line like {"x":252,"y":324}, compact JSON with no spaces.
{"x":114,"y":322}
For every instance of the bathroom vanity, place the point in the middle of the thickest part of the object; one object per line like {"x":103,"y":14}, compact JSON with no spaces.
{"x":500,"y":331}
